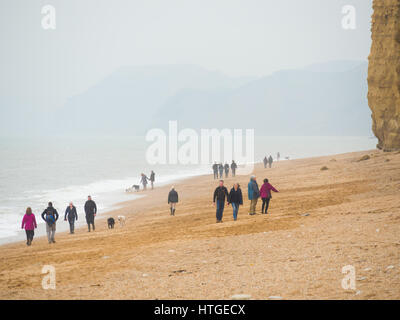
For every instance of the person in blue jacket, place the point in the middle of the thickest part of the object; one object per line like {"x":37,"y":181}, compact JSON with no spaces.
{"x":253,"y":194}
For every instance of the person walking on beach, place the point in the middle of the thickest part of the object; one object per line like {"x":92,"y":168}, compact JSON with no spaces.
{"x":172,"y":200}
{"x":215,"y":170}
{"x":72,"y":215}
{"x":278,"y":156}
{"x":253,"y":194}
{"x":50,"y":216}
{"x":220,"y":194}
{"x":235,"y":198}
{"x":90,"y":211}
{"x":270,"y":160}
{"x":233,"y":168}
{"x":265,"y":193}
{"x":152,"y":178}
{"x":226,"y":168}
{"x":221,"y":170}
{"x":265,"y":162}
{"x":29,"y":224}
{"x":143,"y":180}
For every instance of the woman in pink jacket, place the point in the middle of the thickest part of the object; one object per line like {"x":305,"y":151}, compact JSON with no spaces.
{"x":265,"y":193}
{"x":29,"y":224}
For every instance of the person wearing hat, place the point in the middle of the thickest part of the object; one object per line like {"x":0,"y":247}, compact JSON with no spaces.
{"x":172,"y":200}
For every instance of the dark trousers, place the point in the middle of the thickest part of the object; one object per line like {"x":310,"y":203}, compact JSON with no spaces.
{"x":233,"y":172}
{"x":90,"y":220}
{"x":71,"y":225}
{"x":220,"y":209}
{"x":29,"y":235}
{"x":265,"y":204}
{"x":215,"y":174}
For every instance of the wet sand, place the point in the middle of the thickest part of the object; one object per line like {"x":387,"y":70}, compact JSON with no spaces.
{"x":321,"y":221}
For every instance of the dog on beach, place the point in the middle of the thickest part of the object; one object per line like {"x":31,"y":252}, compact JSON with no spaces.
{"x":135,"y":187}
{"x":110,"y":222}
{"x":121,"y":220}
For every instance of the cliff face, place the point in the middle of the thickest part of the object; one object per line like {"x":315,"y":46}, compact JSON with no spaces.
{"x":384,"y":74}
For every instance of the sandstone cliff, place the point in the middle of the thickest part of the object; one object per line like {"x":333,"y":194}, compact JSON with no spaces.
{"x":384,"y":74}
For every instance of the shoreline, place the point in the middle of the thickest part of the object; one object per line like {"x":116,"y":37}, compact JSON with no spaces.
{"x":63,"y":226}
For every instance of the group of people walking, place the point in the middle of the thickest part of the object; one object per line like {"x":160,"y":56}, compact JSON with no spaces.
{"x":50,"y":216}
{"x":235,"y":197}
{"x":219,"y":169}
{"x":221,"y":197}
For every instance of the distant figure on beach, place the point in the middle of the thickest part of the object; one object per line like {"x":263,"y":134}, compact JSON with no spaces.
{"x":233,"y":168}
{"x":29,"y":224}
{"x":221,"y":170}
{"x":265,"y":193}
{"x":172,"y":200}
{"x":226,"y":168}
{"x":278,"y":156}
{"x":152,"y":179}
{"x":220,"y":194}
{"x":71,"y":215}
{"x":90,"y":212}
{"x":235,"y":198}
{"x":215,"y":170}
{"x":50,"y":216}
{"x":270,"y":160}
{"x":265,"y":161}
{"x":253,"y":194}
{"x":143,"y":181}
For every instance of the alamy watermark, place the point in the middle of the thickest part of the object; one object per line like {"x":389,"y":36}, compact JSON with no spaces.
{"x":48,"y":17}
{"x":349,"y":21}
{"x":187,"y":146}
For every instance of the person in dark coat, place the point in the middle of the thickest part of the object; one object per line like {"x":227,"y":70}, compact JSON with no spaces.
{"x":143,"y":180}
{"x":265,"y":161}
{"x":90,"y":211}
{"x":152,"y":178}
{"x":50,"y":216}
{"x":172,"y":200}
{"x":233,"y":168}
{"x":221,"y":170}
{"x":226,"y":168}
{"x":215,"y":170}
{"x":72,"y":216}
{"x":270,"y":160}
{"x":235,"y":198}
{"x":253,"y":193}
{"x":220,"y":194}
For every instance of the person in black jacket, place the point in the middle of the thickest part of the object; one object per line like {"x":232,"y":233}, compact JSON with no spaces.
{"x":152,"y":178}
{"x":172,"y":200}
{"x":233,"y":168}
{"x":72,"y":215}
{"x":235,"y":198}
{"x":50,"y":216}
{"x":90,"y":211}
{"x":220,"y":194}
{"x":226,"y":168}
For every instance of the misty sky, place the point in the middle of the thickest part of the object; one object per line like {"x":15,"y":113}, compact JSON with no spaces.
{"x":238,"y":37}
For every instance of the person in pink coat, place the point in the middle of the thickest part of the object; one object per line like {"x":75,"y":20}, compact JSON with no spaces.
{"x":29,"y":224}
{"x":265,"y":194}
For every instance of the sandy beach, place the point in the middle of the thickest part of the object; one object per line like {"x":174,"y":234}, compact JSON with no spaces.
{"x":321,"y":221}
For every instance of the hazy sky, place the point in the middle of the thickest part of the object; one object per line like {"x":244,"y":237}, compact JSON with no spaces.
{"x":238,"y":37}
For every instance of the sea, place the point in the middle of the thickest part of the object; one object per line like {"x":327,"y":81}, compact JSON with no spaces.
{"x":34,"y":171}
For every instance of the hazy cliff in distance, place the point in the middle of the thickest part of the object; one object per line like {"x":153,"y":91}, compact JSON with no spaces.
{"x":322,"y":99}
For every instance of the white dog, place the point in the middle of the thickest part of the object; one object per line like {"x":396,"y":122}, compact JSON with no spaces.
{"x":121,"y":220}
